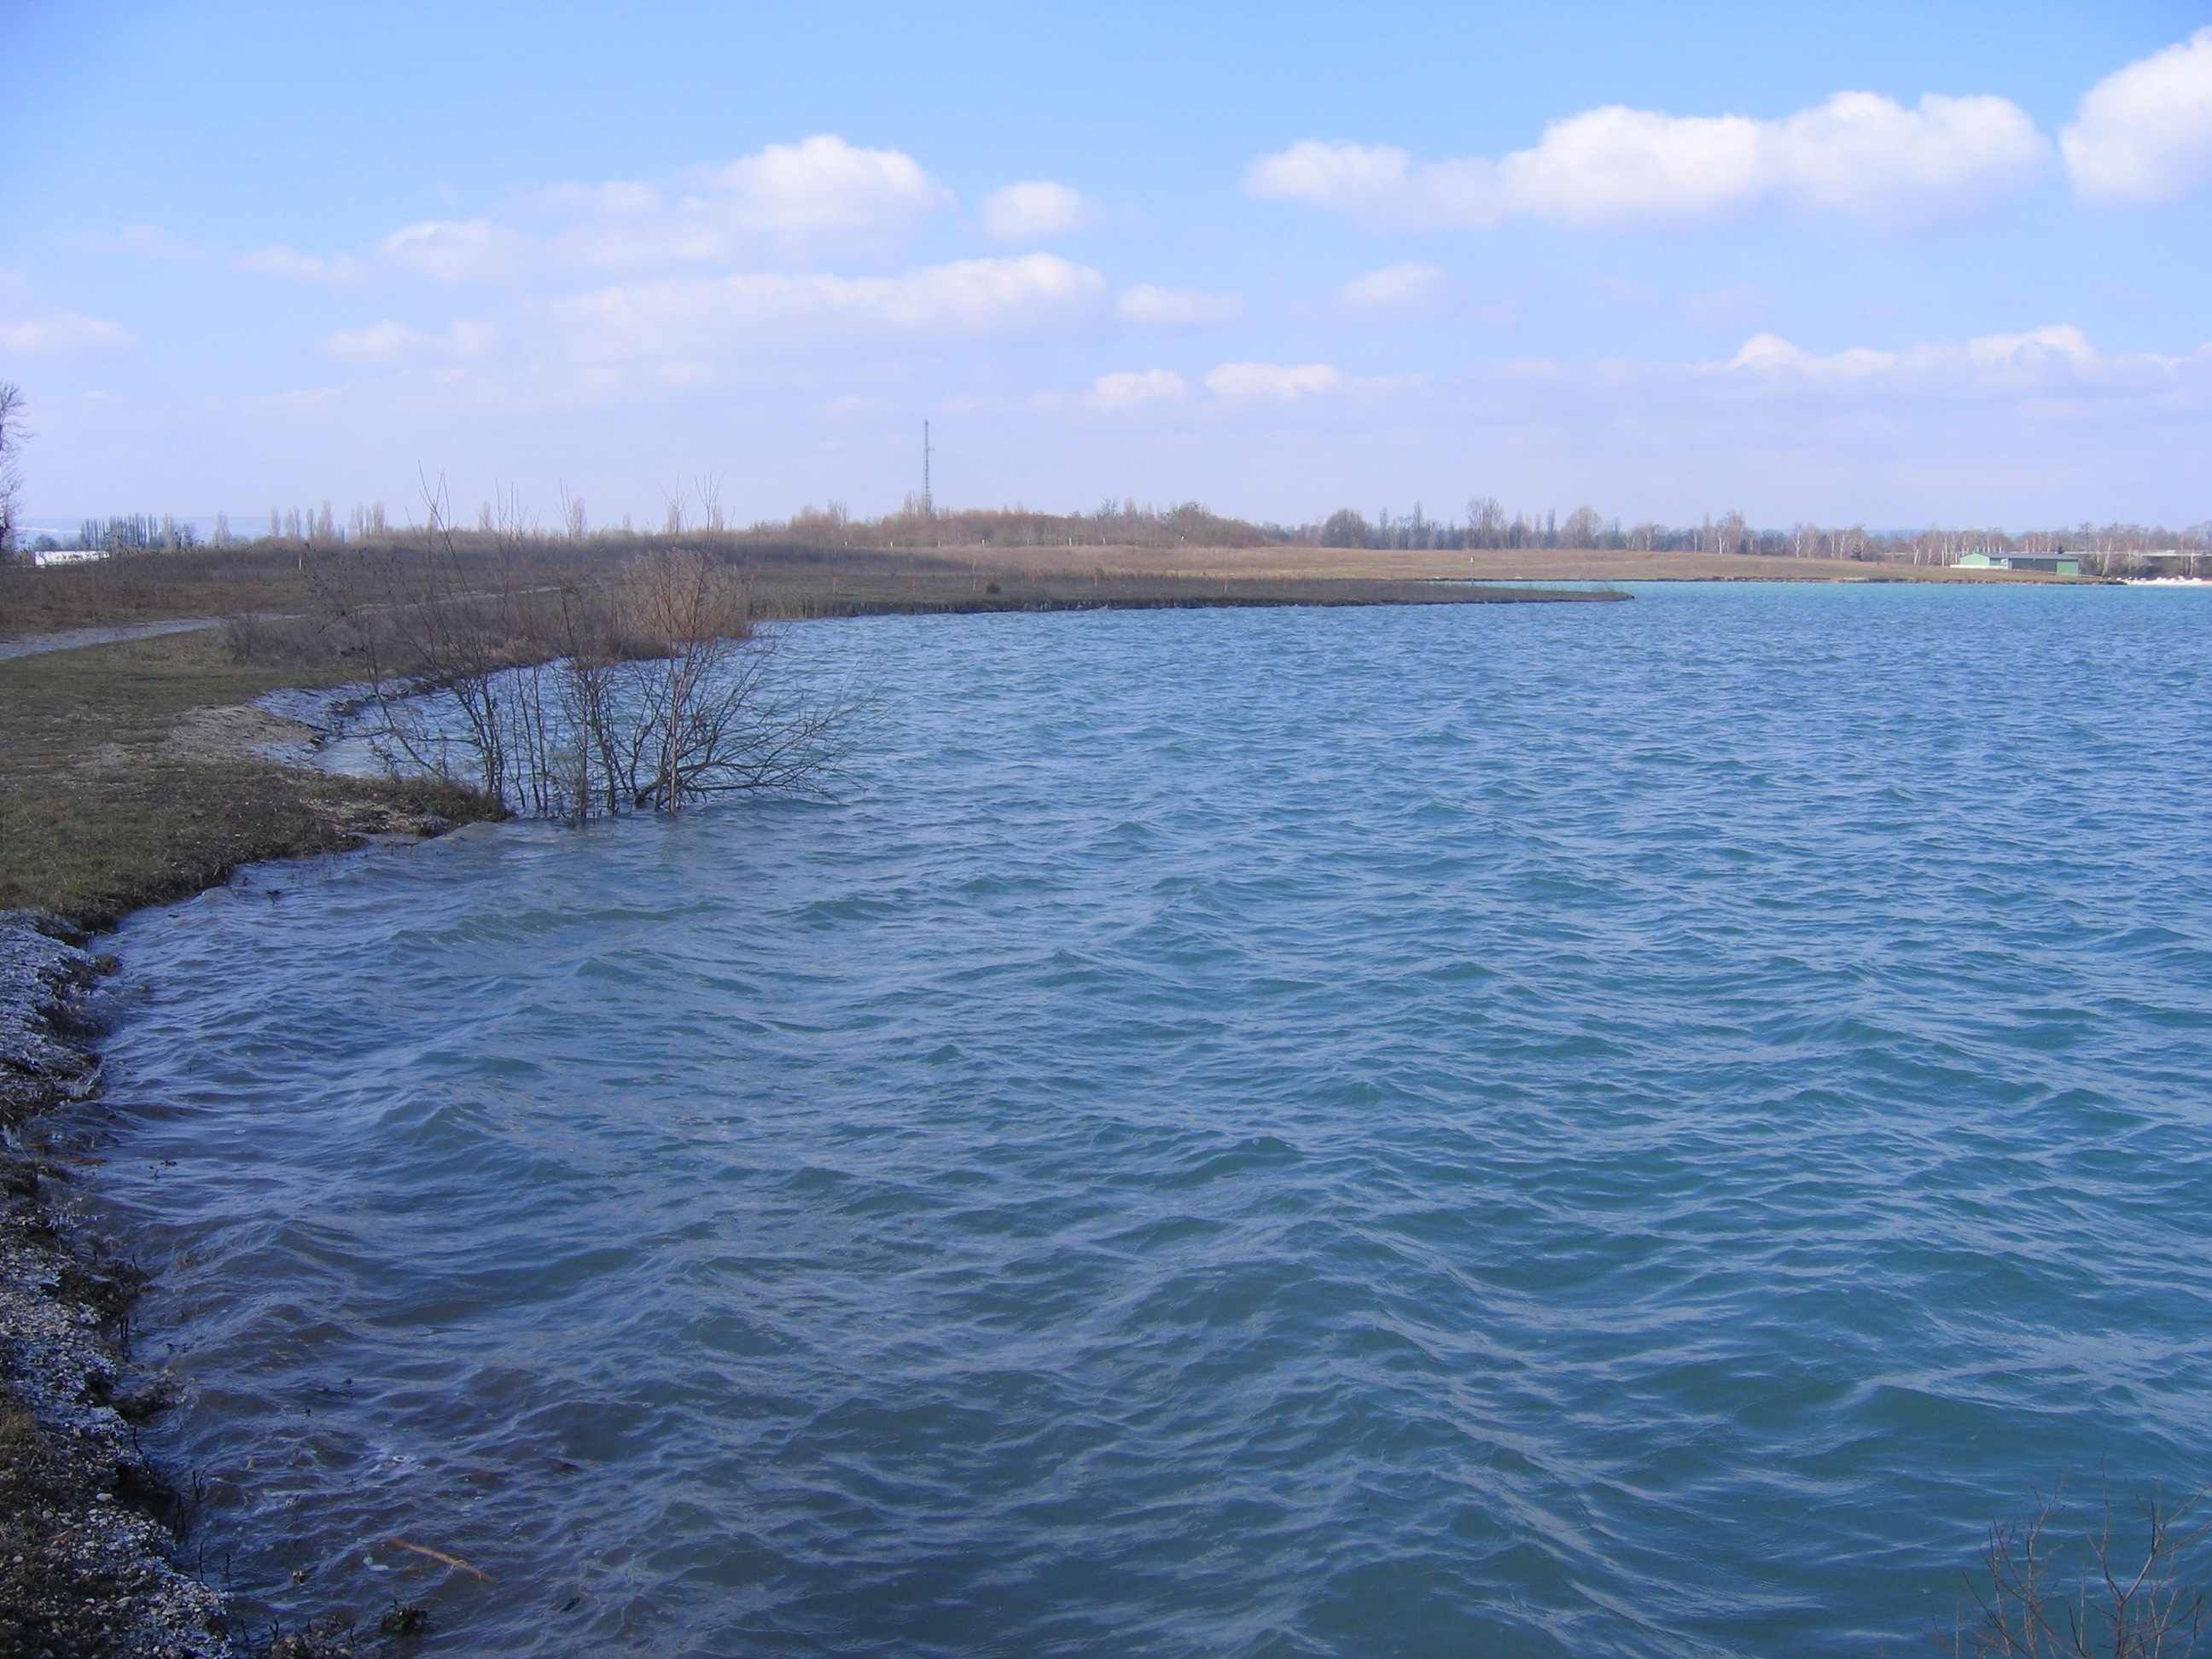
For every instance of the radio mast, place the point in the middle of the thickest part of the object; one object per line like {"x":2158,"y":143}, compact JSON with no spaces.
{"x":928,"y":506}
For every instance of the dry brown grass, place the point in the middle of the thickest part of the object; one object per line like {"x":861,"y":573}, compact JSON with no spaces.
{"x":1531,"y":565}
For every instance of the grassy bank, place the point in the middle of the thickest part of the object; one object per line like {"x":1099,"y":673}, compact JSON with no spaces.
{"x":126,"y":778}
{"x":127,"y":772}
{"x":787,"y":580}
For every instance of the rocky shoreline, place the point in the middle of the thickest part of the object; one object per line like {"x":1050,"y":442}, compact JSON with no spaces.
{"x":85,"y":1567}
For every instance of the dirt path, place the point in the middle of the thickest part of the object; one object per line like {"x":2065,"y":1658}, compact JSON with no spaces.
{"x":28,"y":645}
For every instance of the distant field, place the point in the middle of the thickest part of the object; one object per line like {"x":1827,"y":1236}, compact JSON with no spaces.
{"x":785,"y":580}
{"x":1334,"y":563}
{"x":795,"y":579}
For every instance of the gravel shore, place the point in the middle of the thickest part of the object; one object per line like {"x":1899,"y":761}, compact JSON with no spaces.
{"x":84,"y":1561}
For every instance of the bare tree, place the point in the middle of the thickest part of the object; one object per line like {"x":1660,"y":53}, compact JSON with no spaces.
{"x":1485,"y":520}
{"x":1584,"y":528}
{"x":708,"y":488}
{"x":1346,"y":528}
{"x":11,"y":471}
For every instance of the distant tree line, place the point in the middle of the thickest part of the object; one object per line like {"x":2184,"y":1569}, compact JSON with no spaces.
{"x":1487,"y":526}
{"x":693,"y":513}
{"x":136,"y":532}
{"x":919,"y":523}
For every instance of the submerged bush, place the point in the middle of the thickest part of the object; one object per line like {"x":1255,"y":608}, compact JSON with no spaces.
{"x":2128,"y":1585}
{"x":644,"y":690}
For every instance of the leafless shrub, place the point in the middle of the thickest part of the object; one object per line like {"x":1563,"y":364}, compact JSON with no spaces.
{"x":566,"y":695}
{"x":2118,"y":1591}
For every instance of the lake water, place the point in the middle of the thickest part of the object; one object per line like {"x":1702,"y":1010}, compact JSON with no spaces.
{"x":1590,"y":1130}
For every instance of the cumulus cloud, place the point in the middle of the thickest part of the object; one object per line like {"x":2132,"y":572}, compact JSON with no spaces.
{"x":784,"y":201}
{"x":1406,"y":289}
{"x":690,"y":317}
{"x":282,"y":261}
{"x":2144,"y":133}
{"x":1131,"y":390}
{"x":1859,"y":153}
{"x":1245,"y":383}
{"x":1176,"y":308}
{"x":32,"y":327}
{"x":796,"y":201}
{"x":1036,"y":208}
{"x":396,"y":343}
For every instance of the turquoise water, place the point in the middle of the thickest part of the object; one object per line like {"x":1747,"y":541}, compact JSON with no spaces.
{"x":1514,"y":1131}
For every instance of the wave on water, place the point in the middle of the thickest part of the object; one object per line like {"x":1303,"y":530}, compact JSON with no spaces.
{"x":1623,"y":1130}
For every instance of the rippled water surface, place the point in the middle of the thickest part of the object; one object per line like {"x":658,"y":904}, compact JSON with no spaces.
{"x":1574,"y":1130}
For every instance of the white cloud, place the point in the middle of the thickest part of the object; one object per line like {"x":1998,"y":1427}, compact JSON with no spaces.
{"x":794,"y":200}
{"x":460,"y":250}
{"x":1859,"y":153}
{"x":32,"y":327}
{"x":1176,"y":308}
{"x":694,"y":317}
{"x":826,"y":186}
{"x":282,"y":261}
{"x":1037,"y":208}
{"x":2055,"y":354}
{"x":1869,"y":157}
{"x":2144,"y":133}
{"x":1404,"y":289}
{"x":395,"y":342}
{"x":1377,"y":183}
{"x":1241,"y":383}
{"x":1131,"y":390}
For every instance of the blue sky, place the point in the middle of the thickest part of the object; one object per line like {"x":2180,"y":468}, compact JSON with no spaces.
{"x":1891,"y":264}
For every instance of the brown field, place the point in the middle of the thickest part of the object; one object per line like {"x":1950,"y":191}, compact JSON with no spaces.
{"x":786,"y":579}
{"x":800,"y":580}
{"x":1534,"y":565}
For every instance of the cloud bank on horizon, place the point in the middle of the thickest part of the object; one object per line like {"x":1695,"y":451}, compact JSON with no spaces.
{"x":818,"y":293}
